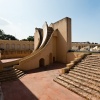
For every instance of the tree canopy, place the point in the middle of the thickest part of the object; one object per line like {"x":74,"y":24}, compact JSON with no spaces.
{"x":4,"y":36}
{"x":30,"y":38}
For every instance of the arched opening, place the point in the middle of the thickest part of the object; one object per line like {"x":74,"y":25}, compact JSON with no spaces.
{"x":1,"y":46}
{"x":7,"y":46}
{"x":41,"y":62}
{"x":53,"y":59}
{"x":13,"y":46}
{"x":50,"y":58}
{"x":18,"y":46}
{"x":79,"y":47}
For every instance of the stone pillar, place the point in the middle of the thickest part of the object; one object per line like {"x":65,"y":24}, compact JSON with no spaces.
{"x":63,"y":38}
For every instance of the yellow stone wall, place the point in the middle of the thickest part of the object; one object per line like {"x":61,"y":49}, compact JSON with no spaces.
{"x":15,"y":48}
{"x":72,"y":55}
{"x":55,"y":49}
{"x":15,"y":54}
{"x":16,"y":45}
{"x":63,"y":38}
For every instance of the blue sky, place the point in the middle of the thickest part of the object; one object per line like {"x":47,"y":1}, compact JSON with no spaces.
{"x":20,"y":17}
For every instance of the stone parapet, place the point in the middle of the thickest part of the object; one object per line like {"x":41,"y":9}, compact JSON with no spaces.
{"x":73,"y":63}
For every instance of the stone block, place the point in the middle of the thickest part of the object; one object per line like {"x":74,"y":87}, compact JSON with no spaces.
{"x":70,"y":65}
{"x":65,"y":70}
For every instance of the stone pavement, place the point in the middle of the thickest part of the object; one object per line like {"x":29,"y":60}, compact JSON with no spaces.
{"x":38,"y":84}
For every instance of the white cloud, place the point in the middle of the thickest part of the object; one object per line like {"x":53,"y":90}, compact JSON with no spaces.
{"x":10,"y":28}
{"x":4,"y":22}
{"x":15,"y":29}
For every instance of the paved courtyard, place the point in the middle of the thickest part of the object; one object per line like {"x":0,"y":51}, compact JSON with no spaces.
{"x":38,"y":84}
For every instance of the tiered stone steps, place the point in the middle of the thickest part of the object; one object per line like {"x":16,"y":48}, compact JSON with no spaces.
{"x":10,"y":74}
{"x":84,"y":78}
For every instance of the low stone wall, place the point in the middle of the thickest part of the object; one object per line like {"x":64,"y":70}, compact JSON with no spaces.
{"x":73,"y":63}
{"x":75,"y":58}
{"x":72,"y":55}
{"x":11,"y":63}
{"x":14,"y":54}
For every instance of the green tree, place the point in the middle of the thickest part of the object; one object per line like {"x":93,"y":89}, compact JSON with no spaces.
{"x":30,"y":38}
{"x":24,"y":39}
{"x":4,"y":36}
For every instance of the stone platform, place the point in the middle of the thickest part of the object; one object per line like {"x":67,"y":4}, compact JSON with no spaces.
{"x":38,"y":84}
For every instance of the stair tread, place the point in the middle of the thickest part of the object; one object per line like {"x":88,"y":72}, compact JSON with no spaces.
{"x":84,"y":78}
{"x":75,"y":88}
{"x":95,"y":69}
{"x":87,"y":70}
{"x":86,"y":73}
{"x":11,"y":78}
{"x":10,"y":74}
{"x":84,"y":81}
{"x":79,"y":85}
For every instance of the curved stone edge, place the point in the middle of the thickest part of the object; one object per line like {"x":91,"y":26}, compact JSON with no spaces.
{"x":45,"y":34}
{"x":28,"y":64}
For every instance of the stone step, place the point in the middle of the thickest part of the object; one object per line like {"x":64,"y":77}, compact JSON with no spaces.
{"x":92,"y":63}
{"x":85,"y":73}
{"x":7,"y":70}
{"x":89,"y":65}
{"x":73,"y":88}
{"x":84,"y":78}
{"x":9,"y":74}
{"x":88,"y":61}
{"x":77,"y":88}
{"x":87,"y":70}
{"x":85,"y":81}
{"x":91,"y":79}
{"x":12,"y":77}
{"x":80,"y":85}
{"x":92,"y":57}
{"x":95,"y":68}
{"x":82,"y":81}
